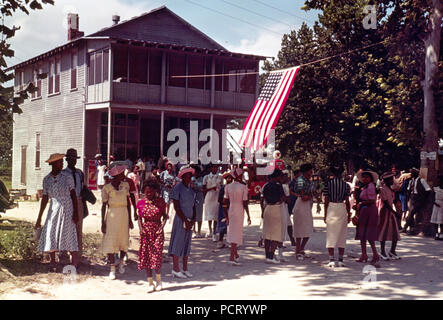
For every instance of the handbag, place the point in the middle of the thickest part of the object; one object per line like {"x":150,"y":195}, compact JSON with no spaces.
{"x":354,"y":220}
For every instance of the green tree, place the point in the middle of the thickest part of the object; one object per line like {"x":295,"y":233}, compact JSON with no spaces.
{"x":365,"y":106}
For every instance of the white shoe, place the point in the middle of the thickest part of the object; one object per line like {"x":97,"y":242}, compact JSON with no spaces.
{"x":331,"y":264}
{"x":151,"y":288}
{"x":178,"y":274}
{"x":272,"y":261}
{"x":234,"y":263}
{"x":393,"y":256}
{"x":214,"y":237}
{"x":159,"y":286}
{"x":187,"y":274}
{"x":112,"y":275}
{"x":341,"y":264}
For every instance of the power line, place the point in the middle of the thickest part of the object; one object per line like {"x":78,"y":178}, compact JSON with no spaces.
{"x":285,"y":12}
{"x":256,"y":13}
{"x":232,"y":17}
{"x":273,"y":71}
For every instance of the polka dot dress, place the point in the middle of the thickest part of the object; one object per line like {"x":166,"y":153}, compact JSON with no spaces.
{"x":151,"y":242}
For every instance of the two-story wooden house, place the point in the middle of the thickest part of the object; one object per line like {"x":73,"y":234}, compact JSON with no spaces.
{"x":117,"y":85}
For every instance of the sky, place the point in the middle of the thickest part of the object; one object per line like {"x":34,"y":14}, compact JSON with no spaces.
{"x":244,"y":26}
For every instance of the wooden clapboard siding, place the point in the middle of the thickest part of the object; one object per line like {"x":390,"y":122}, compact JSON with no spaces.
{"x":59,"y":120}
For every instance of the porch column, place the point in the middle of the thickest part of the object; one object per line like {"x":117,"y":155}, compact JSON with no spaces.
{"x":162,"y":133}
{"x":211,"y":126}
{"x":109,"y":134}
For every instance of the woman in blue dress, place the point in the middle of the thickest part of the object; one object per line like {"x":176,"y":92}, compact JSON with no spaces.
{"x":183,"y":197}
{"x":222,"y":227}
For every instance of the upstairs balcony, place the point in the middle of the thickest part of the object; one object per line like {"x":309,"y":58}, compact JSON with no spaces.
{"x":149,"y":76}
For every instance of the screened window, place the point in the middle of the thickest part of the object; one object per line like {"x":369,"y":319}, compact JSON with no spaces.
{"x":218,"y":80}
{"x":37,"y":82}
{"x":196,"y":66}
{"x":23,"y":166}
{"x":230,"y":82}
{"x":57,"y":75}
{"x":99,"y":67}
{"x":121,"y":64}
{"x":177,"y":67}
{"x":155,"y":67}
{"x":51,"y":77}
{"x":138,"y":65}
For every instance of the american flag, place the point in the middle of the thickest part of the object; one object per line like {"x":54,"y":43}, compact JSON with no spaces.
{"x":267,"y":109}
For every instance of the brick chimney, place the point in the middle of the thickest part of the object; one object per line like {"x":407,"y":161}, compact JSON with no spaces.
{"x":73,"y":32}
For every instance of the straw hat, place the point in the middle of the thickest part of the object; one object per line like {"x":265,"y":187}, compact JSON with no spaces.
{"x":116,"y":170}
{"x":372,"y":173}
{"x":227,"y":174}
{"x":55,"y":157}
{"x":98,"y":155}
{"x":185,"y":170}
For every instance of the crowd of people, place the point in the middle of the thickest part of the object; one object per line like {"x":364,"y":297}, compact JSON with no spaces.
{"x":377,"y":206}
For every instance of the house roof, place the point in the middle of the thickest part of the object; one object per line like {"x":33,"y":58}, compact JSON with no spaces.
{"x":159,"y":28}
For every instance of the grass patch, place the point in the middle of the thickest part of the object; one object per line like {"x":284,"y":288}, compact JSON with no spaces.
{"x":91,"y":246}
{"x":18,"y":250}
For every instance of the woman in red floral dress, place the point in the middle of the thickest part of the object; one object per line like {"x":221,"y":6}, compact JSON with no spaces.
{"x":151,"y":210}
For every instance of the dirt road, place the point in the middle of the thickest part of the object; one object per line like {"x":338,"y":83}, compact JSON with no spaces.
{"x":418,"y":275}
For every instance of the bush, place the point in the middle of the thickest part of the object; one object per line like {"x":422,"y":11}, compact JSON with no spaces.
{"x":17,"y":240}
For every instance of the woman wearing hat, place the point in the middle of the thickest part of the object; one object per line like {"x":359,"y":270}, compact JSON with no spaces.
{"x":388,"y":229}
{"x":59,"y":232}
{"x":367,"y":214}
{"x":116,"y":221}
{"x":222,"y":228}
{"x":302,"y":212}
{"x":237,"y":194}
{"x":183,"y":198}
{"x":337,"y":214}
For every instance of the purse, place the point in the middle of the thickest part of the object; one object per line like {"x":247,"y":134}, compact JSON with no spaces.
{"x":354,"y":220}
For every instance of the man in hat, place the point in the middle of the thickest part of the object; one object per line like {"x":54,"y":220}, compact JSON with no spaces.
{"x":78,"y":176}
{"x":420,"y":192}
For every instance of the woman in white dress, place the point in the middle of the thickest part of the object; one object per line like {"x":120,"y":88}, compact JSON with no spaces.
{"x":211,"y":186}
{"x":59,"y":232}
{"x":237,"y":195}
{"x":437,"y":212}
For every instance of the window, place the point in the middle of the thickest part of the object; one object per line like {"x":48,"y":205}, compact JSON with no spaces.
{"x":208,"y":71}
{"x":54,"y":76}
{"x":91,"y":69}
{"x":218,"y":80}
{"x":155,"y":67}
{"x":121,"y":64}
{"x":98,"y":67}
{"x":20,"y":80}
{"x":37,"y":82}
{"x":57,"y":75}
{"x":196,"y":66}
{"x":37,"y":150}
{"x":51,"y":77}
{"x":23,"y":166}
{"x":74,"y":65}
{"x":138,"y":65}
{"x":247,"y":82}
{"x":229,"y":82}
{"x":177,"y":67}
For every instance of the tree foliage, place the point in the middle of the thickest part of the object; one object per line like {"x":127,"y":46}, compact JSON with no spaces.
{"x":361,"y":108}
